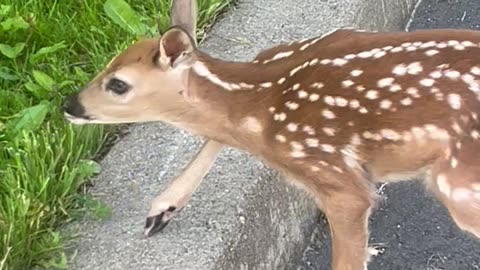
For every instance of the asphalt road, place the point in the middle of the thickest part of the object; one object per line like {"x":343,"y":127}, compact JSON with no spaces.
{"x":414,"y":229}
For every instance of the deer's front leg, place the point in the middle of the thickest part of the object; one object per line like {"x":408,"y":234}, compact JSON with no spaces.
{"x":347,"y":212}
{"x":180,"y":190}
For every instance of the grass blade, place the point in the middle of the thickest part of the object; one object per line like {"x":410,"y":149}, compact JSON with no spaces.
{"x":123,"y":15}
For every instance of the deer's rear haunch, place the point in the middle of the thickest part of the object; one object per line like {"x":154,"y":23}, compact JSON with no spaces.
{"x":336,"y":114}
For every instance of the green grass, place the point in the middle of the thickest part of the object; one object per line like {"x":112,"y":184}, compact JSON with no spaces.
{"x":49,"y":49}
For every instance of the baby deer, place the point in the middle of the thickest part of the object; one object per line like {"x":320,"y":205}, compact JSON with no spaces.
{"x":336,"y":114}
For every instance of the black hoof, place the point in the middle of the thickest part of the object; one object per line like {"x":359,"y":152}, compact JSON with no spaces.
{"x":156,"y":223}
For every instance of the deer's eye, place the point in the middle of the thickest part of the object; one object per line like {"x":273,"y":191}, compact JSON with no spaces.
{"x":117,"y":86}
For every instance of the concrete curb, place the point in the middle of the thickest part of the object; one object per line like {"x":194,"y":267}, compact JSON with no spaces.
{"x":242,"y":216}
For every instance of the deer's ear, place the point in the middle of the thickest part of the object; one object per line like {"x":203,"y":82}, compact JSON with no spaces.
{"x":176,"y":48}
{"x":184,"y":15}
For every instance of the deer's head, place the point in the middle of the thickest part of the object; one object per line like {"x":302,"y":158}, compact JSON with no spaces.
{"x":151,"y":69}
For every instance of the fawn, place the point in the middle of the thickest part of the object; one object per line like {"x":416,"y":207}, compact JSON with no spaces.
{"x":335,"y":114}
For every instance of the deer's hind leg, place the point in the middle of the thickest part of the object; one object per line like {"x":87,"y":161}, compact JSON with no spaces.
{"x":455,"y":180}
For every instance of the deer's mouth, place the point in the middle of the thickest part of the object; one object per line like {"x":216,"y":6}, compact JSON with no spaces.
{"x":78,"y":120}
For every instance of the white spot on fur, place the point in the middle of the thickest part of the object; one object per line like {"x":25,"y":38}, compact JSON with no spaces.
{"x":282,"y":55}
{"x":323,"y":163}
{"x":339,"y":62}
{"x":313,"y":97}
{"x":317,"y":85}
{"x":455,"y":101}
{"x":356,"y":72}
{"x":292,"y":105}
{"x":454,"y":163}
{"x":453,"y":43}
{"x":379,"y":54}
{"x":360,"y":88}
{"x":442,"y":45}
{"x":297,"y":154}
{"x":296,"y":86}
{"x":329,"y":131}
{"x":309,"y":130}
{"x":427,"y":82}
{"x":292,"y":127}
{"x":312,"y":142}
{"x":452,"y":74}
{"x":280,"y":116}
{"x":428,"y":44}
{"x":397,"y":50}
{"x":395,"y":88}
{"x":390,"y":134}
{"x":295,"y":70}
{"x":467,"y":43}
{"x":252,"y":124}
{"x":414,"y":68}
{"x":471,"y":82}
{"x":475,"y":134}
{"x":350,"y":56}
{"x":271,"y":109}
{"x":281,"y":80}
{"x":296,"y":145}
{"x":325,"y":61}
{"x":385,"y":104}
{"x":313,"y":62}
{"x":406,"y":101}
{"x":400,"y":69}
{"x":235,"y":86}
{"x":411,"y":48}
{"x":328,"y":114}
{"x":413,"y":92}
{"x":475,"y":70}
{"x":456,"y":127}
{"x":328,"y":148}
{"x":385,"y":82}
{"x":347,"y":83}
{"x":436,"y":74}
{"x":266,"y":84}
{"x":302,"y":94}
{"x":354,"y":104}
{"x":431,"y":52}
{"x":202,"y":71}
{"x":305,"y":46}
{"x":458,"y":145}
{"x":341,"y":102}
{"x":329,"y":100}
{"x":337,"y":169}
{"x":365,"y":54}
{"x":280,"y":138}
{"x":372,"y":94}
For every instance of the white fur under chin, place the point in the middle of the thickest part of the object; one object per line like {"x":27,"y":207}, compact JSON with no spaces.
{"x":75,"y":120}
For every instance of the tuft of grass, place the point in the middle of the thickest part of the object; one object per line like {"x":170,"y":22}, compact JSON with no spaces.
{"x":49,"y":49}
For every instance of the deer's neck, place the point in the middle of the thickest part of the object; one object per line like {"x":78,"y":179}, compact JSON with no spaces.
{"x":231,"y":98}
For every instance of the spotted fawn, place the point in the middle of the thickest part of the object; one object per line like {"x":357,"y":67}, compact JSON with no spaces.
{"x":336,"y":114}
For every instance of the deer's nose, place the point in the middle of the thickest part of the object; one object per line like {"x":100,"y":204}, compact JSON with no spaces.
{"x":73,"y":107}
